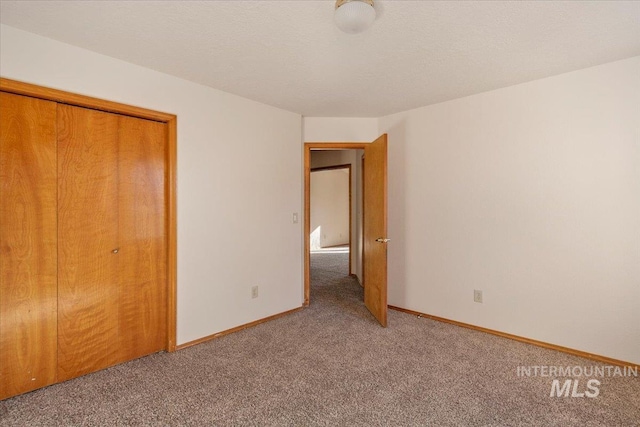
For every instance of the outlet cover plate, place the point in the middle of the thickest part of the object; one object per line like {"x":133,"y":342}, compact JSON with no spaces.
{"x":477,"y":295}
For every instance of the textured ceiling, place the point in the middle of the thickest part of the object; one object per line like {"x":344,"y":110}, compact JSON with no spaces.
{"x":290,"y":54}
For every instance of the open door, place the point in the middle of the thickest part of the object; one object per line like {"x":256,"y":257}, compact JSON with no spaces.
{"x":375,"y":228}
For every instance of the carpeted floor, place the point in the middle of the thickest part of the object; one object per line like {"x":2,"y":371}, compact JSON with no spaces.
{"x":331,"y":364}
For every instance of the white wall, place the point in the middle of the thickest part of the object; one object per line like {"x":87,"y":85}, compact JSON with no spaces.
{"x":235,"y":209}
{"x":340,"y":129}
{"x":532,"y":194}
{"x":329,"y":194}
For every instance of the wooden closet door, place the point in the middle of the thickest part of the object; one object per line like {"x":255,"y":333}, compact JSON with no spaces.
{"x":112,"y":275}
{"x":142,"y":238}
{"x":28,"y":258}
{"x":88,"y":280}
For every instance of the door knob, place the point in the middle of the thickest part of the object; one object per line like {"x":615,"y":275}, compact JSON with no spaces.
{"x":115,"y":251}
{"x":382,"y":240}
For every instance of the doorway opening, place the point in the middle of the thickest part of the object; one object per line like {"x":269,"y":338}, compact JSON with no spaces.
{"x":374,"y":220}
{"x":332,"y":207}
{"x":334,"y":228}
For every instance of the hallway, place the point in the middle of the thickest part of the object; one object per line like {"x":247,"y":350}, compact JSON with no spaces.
{"x":332,"y":289}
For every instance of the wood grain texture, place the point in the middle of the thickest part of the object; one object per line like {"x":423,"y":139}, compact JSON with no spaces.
{"x":14,"y":86}
{"x":167,"y":223}
{"x":375,"y":226}
{"x":112,"y":239}
{"x":171,"y":230}
{"x":142,"y":237}
{"x":28,"y":258}
{"x":88,"y":280}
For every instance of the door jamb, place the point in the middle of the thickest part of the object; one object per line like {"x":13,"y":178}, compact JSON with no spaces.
{"x":308,"y":147}
{"x":35,"y":91}
{"x":362,"y":225}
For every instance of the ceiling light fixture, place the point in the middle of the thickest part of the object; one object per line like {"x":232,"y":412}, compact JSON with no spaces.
{"x":354,"y":16}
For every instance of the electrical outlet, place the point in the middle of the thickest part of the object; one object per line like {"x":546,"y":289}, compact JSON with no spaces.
{"x":295,"y":217}
{"x":254,"y":292}
{"x":477,"y":296}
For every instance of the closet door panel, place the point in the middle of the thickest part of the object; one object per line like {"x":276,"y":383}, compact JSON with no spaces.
{"x":88,"y":281}
{"x":142,"y":237}
{"x":28,"y":258}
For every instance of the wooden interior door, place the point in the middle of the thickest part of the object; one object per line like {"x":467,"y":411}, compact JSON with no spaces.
{"x":375,"y":228}
{"x":112,"y":239}
{"x":28,"y":258}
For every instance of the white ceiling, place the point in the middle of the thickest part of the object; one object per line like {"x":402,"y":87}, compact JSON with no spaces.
{"x":290,"y":54}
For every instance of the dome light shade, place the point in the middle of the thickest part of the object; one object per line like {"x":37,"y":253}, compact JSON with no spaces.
{"x":354,"y":16}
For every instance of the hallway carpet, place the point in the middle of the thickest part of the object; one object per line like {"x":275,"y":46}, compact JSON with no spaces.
{"x":332,"y":365}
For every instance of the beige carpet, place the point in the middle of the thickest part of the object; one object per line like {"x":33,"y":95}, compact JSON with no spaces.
{"x":328,"y":365}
